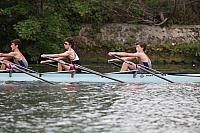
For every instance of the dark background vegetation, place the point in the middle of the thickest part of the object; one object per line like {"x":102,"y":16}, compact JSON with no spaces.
{"x":43,"y":24}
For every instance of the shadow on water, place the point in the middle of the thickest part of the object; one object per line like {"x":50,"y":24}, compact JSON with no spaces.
{"x":99,"y":107}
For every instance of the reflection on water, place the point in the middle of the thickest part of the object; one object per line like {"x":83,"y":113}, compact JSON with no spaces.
{"x":84,"y":107}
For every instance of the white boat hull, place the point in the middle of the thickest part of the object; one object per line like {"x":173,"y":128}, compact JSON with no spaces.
{"x":86,"y":77}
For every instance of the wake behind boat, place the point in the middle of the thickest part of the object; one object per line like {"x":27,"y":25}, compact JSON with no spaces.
{"x":127,"y":77}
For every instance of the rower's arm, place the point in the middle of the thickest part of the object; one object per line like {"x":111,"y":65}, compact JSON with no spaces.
{"x":116,"y":53}
{"x":114,"y":60}
{"x":65,"y":54}
{"x":11,"y":54}
{"x":124,"y":54}
{"x":49,"y":55}
{"x":46,"y":61}
{"x":5,"y":58}
{"x":50,"y":61}
{"x":129,"y":58}
{"x":124,"y":58}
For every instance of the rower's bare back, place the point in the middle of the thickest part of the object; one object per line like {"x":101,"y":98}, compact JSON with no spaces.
{"x":142,"y":57}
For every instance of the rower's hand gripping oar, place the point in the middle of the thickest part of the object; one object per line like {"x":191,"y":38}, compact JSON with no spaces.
{"x":143,"y":68}
{"x":23,"y":69}
{"x":86,"y":69}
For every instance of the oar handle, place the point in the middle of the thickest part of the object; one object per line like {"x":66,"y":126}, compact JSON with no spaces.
{"x":49,"y":64}
{"x":115,"y":64}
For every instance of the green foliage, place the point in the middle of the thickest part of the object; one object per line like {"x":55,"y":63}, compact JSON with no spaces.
{"x":43,"y":47}
{"x":17,"y":10}
{"x":82,"y":7}
{"x":55,"y":26}
{"x":46,"y":33}
{"x":29,"y":29}
{"x":191,"y":49}
{"x":98,"y":14}
{"x":44,"y":24}
{"x":186,"y":50}
{"x":118,"y":48}
{"x":131,"y":40}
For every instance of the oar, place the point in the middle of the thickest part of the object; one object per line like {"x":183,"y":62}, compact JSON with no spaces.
{"x":16,"y":67}
{"x":49,"y":64}
{"x":124,"y":72}
{"x":143,"y":68}
{"x":153,"y":70}
{"x":21,"y":70}
{"x":86,"y":69}
{"x":27,"y":69}
{"x":115,"y":64}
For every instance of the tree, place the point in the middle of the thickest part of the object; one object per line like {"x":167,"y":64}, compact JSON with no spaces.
{"x":43,"y":24}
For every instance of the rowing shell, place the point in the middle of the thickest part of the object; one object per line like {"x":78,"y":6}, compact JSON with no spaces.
{"x":88,"y":77}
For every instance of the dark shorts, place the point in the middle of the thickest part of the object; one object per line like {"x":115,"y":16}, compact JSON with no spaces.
{"x":77,"y":62}
{"x":21,"y":63}
{"x":146,"y":64}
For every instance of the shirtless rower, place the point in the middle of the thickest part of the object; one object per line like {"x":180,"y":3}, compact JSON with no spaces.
{"x":13,"y":57}
{"x":140,"y":55}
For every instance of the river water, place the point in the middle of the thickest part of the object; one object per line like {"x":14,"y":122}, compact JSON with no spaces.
{"x":99,"y":108}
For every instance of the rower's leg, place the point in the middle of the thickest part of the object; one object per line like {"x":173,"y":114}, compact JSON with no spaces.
{"x":60,"y":67}
{"x":124,"y":67}
{"x":127,"y":67}
{"x":66,"y":68}
{"x":63,"y":67}
{"x":3,"y":66}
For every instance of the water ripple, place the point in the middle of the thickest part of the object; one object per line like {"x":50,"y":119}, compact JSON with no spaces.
{"x":84,"y":107}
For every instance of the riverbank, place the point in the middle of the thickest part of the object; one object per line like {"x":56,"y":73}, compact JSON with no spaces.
{"x":177,"y":44}
{"x":185,"y":54}
{"x":172,"y":44}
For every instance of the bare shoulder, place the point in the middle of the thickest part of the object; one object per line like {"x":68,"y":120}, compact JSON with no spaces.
{"x":140,"y":55}
{"x":137,"y":54}
{"x":66,"y":53}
